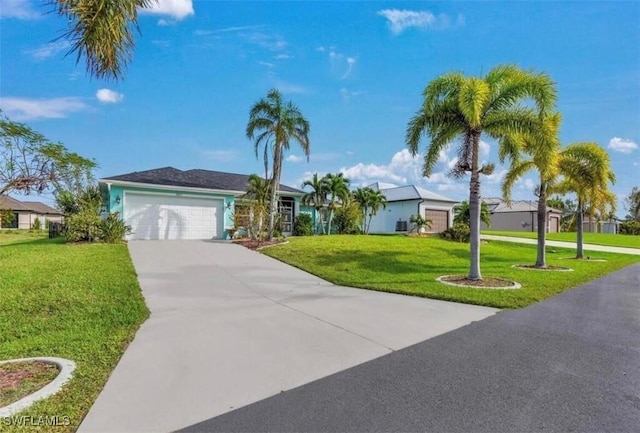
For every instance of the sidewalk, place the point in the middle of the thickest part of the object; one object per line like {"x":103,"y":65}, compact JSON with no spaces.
{"x":560,"y":244}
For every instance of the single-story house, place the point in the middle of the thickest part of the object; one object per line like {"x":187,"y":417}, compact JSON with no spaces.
{"x":168,"y":203}
{"x":405,"y":201}
{"x":520,"y":215}
{"x":27,"y":212}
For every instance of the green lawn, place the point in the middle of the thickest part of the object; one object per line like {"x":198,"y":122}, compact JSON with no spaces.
{"x":80,"y":302}
{"x":628,"y":241}
{"x":409,"y":265}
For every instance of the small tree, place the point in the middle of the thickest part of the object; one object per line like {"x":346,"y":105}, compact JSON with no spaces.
{"x":420,"y":223}
{"x":303,"y":225}
{"x":316,"y":197}
{"x":632,"y":204}
{"x":348,"y":218}
{"x":7,"y":218}
{"x":82,"y":214}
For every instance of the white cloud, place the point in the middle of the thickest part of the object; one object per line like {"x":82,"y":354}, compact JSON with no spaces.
{"x":20,"y":9}
{"x":164,"y":23}
{"x":266,"y":64}
{"x":49,"y":50}
{"x":485,"y":148}
{"x":400,"y":20}
{"x":177,"y":9}
{"x":321,"y":49}
{"x":341,"y":64}
{"x":221,"y":155}
{"x":350,"y":153}
{"x":108,"y":96}
{"x":294,"y":158}
{"x":283,"y":57}
{"x":622,"y":145}
{"x":21,"y":109}
{"x":270,"y":42}
{"x":402,"y":169}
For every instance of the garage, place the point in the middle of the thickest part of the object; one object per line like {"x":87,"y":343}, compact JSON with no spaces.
{"x":439,"y":220}
{"x":163,"y":216}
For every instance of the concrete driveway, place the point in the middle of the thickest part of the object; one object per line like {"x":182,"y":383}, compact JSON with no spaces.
{"x":230,"y":327}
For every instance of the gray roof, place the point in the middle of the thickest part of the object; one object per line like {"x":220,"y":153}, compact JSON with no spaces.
{"x":36,"y":207}
{"x":196,"y":178}
{"x":516,"y":206}
{"x":412,"y":192}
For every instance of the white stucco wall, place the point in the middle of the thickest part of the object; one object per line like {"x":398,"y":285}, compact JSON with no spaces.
{"x":385,"y":220}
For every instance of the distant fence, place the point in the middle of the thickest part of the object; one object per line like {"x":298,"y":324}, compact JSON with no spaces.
{"x":56,"y":229}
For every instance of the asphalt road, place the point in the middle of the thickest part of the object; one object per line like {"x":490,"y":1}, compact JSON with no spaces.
{"x":570,"y":363}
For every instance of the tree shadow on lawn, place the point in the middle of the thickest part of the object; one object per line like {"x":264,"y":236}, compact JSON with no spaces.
{"x":18,"y":243}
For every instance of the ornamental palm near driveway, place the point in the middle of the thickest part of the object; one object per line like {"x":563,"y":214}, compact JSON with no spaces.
{"x":230,"y":326}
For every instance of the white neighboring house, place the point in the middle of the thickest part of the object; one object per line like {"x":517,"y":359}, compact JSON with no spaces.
{"x":405,"y":201}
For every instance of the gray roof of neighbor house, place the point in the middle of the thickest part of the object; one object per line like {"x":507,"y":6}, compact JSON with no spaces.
{"x":36,"y":207}
{"x":516,"y":206}
{"x":196,"y":178}
{"x":412,"y":192}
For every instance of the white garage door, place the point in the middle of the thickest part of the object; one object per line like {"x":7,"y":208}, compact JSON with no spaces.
{"x":154,"y":216}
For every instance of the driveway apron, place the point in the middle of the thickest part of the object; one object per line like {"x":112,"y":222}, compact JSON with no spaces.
{"x":230,"y":327}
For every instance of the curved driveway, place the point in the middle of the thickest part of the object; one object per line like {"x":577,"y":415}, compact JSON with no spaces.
{"x":230,"y":327}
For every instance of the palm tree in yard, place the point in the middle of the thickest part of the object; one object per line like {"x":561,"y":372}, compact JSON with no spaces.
{"x":586,"y":171}
{"x":361,"y":196}
{"x":258,"y":194}
{"x":463,"y":214}
{"x":375,"y":201}
{"x":543,"y":149}
{"x":274,"y":123}
{"x":317,"y":196}
{"x":102,"y":32}
{"x":460,"y":109}
{"x":338,"y":189}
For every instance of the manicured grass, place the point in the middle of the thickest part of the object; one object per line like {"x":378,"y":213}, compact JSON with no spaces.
{"x":410,"y":265}
{"x":627,"y":241}
{"x":79,"y":302}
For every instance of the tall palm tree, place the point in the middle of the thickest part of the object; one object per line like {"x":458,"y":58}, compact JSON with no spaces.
{"x":258,"y":194}
{"x":375,"y":201}
{"x":338,"y":188}
{"x":361,"y":196}
{"x":316,"y":197}
{"x":457,"y":107}
{"x":543,"y":148}
{"x":101,"y":31}
{"x":586,"y":171}
{"x":276,"y":124}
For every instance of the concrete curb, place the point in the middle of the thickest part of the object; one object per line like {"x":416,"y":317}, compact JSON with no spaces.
{"x":66,"y":371}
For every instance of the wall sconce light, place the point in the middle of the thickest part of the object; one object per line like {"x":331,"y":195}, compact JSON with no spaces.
{"x":117,"y":199}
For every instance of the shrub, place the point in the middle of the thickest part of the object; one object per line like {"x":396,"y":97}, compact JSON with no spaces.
{"x":303,"y":225}
{"x":348,"y":219}
{"x":83,"y":225}
{"x":630,"y":228}
{"x":37,"y":224}
{"x":459,"y":233}
{"x":7,"y":217}
{"x":112,"y":229}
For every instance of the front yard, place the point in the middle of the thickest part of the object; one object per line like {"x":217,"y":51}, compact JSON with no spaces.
{"x":627,"y":241}
{"x":79,"y":302}
{"x":410,"y":265}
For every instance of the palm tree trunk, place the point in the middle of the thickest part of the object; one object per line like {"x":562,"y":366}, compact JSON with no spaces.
{"x":474,"y":211}
{"x":330,"y":219}
{"x":579,"y":234}
{"x":541,"y":260}
{"x":275,"y":183}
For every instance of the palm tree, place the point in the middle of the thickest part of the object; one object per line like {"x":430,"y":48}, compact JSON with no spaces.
{"x":258,"y":193}
{"x":375,"y":201}
{"x":277,"y":123}
{"x":457,"y":107}
{"x":102,"y":32}
{"x":338,"y":188}
{"x":361,"y":196}
{"x":317,"y":197}
{"x":463,"y":214}
{"x":586,"y":171}
{"x":419,"y":222}
{"x":543,"y":147}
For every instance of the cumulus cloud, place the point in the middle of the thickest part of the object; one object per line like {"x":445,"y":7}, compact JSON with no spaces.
{"x":20,"y":9}
{"x":402,"y":169}
{"x":108,"y":96}
{"x":49,"y":50}
{"x":401,"y":20}
{"x":294,"y":158}
{"x":177,"y":9}
{"x":21,"y":109}
{"x":622,"y":145}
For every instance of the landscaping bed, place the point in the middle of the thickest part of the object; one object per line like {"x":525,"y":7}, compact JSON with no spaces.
{"x":19,"y":379}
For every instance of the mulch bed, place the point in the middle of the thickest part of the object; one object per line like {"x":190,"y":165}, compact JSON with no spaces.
{"x":485,"y":282}
{"x":254,"y":245}
{"x":19,"y":379}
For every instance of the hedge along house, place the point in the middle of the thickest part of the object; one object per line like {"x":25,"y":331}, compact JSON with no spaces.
{"x":405,"y":201}
{"x":168,"y":203}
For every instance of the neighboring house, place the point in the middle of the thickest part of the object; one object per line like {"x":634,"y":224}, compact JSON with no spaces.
{"x":27,"y":212}
{"x":520,"y":215}
{"x":611,"y":226}
{"x":405,"y":201}
{"x":167,"y":203}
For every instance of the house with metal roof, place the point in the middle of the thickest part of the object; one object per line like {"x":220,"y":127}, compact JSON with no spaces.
{"x":26,"y":213}
{"x":519,"y":215}
{"x":168,"y":203}
{"x":408,"y":200}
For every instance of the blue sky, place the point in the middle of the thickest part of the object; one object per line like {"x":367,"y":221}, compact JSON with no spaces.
{"x":355,"y":69}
